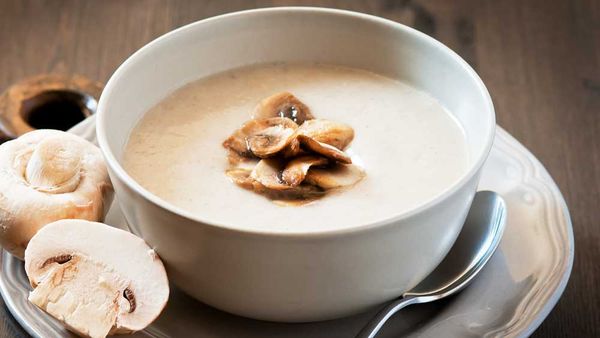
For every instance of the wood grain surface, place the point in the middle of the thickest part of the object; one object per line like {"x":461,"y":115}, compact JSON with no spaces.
{"x":539,"y":59}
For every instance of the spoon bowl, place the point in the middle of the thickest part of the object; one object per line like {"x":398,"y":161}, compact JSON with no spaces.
{"x":473,"y":248}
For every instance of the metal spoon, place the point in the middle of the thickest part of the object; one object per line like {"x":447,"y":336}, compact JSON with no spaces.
{"x":474,"y":246}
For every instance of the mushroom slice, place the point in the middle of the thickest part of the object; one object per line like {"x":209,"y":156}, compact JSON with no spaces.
{"x":295,"y":171}
{"x":96,"y":279}
{"x":241,"y":177}
{"x":268,"y":173}
{"x":267,"y":181}
{"x":270,"y":141}
{"x":324,"y":149}
{"x":341,"y":175}
{"x":283,"y":105}
{"x":262,"y":137}
{"x":333,"y":133}
{"x":56,"y":174}
{"x":293,"y":149}
{"x":237,"y":144}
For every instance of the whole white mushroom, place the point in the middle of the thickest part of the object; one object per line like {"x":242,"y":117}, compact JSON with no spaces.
{"x":48,"y":175}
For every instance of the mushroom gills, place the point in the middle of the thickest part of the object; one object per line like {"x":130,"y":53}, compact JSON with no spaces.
{"x":283,"y":104}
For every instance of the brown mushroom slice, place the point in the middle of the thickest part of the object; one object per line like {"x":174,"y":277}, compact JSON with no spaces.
{"x":341,"y":175}
{"x":324,"y":149}
{"x":262,"y":137}
{"x":268,"y":173}
{"x":267,"y":181}
{"x":293,"y":149}
{"x":337,"y":134}
{"x":95,"y":279}
{"x":295,"y":171}
{"x":283,"y":105}
{"x":270,"y":141}
{"x":241,"y":177}
{"x":236,"y":143}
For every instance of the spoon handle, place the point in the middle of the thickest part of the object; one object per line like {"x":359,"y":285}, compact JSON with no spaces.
{"x":376,"y":323}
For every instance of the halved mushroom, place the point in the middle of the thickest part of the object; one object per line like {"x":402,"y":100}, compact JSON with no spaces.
{"x":56,"y":174}
{"x":283,"y":105}
{"x":324,"y":149}
{"x":96,"y":279}
{"x":338,"y":176}
{"x":333,"y":133}
{"x":295,"y":171}
{"x":262,"y":137}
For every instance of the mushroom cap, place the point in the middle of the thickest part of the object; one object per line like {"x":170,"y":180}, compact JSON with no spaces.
{"x":56,"y":174}
{"x":283,"y":104}
{"x":94,"y":278}
{"x":336,"y":134}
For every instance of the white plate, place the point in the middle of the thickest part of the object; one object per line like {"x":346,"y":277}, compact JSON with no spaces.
{"x":511,"y":297}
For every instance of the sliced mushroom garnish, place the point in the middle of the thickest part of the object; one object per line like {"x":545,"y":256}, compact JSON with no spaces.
{"x":265,"y":179}
{"x":262,"y":137}
{"x":338,"y":176}
{"x":324,"y":149}
{"x":96,"y":279}
{"x":333,"y":133}
{"x":295,"y":171}
{"x":300,"y":157}
{"x":283,"y":105}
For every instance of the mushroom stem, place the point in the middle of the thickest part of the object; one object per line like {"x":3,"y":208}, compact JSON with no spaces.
{"x":54,"y":166}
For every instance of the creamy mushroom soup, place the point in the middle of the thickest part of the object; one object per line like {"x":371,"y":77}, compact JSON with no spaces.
{"x":409,"y":146}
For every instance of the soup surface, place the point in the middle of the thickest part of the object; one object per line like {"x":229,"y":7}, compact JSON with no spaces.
{"x":410,"y":147}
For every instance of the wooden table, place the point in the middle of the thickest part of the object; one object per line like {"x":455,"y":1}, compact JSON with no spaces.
{"x":539,"y":59}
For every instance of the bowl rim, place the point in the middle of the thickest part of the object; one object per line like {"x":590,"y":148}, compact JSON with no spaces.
{"x":121,"y":174}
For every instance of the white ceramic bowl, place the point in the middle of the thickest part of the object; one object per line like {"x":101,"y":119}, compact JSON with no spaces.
{"x":301,"y":276}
